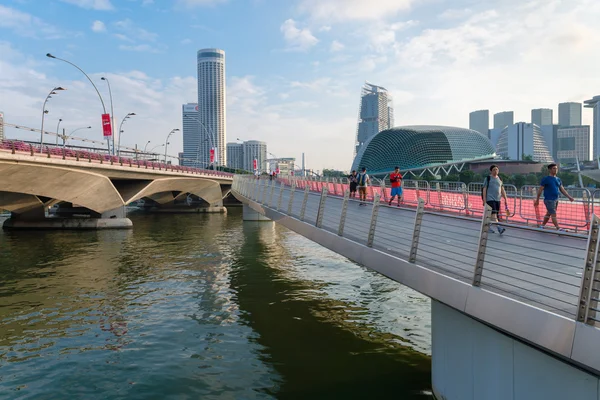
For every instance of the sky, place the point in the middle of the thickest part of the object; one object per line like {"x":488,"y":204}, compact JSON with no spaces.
{"x":294,"y":68}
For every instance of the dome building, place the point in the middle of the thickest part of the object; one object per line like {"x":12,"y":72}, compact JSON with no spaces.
{"x":421,"y":147}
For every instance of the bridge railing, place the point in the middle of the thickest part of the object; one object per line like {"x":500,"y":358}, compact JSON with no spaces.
{"x":562,"y":278}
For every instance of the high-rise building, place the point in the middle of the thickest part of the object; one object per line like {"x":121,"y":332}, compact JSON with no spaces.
{"x":255,"y":149}
{"x":211,"y":104}
{"x":541,"y":116}
{"x":480,"y":121}
{"x":1,"y":125}
{"x":594,"y":104}
{"x":521,"y":141}
{"x":235,"y":155}
{"x":375,"y":115}
{"x":503,"y":119}
{"x":569,"y":114}
{"x":550,"y":134}
{"x":191,"y":136}
{"x":573,"y":144}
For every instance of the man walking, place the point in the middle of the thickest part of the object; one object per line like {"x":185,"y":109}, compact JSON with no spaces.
{"x":363,"y":181}
{"x":353,"y":179}
{"x":493,"y":191}
{"x":551,"y":185}
{"x":396,"y":181}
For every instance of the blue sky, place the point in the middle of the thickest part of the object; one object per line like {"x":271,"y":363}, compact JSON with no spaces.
{"x":295,"y":68}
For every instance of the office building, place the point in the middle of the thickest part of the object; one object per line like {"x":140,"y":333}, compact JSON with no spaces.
{"x":522,"y":141}
{"x":569,"y":114}
{"x":235,"y":155}
{"x":255,"y":150}
{"x":480,"y":121}
{"x":541,"y":116}
{"x":550,"y":134}
{"x":191,"y":136}
{"x":180,"y":158}
{"x":375,"y":115}
{"x":573,"y":144}
{"x":211,"y":105}
{"x":503,"y":119}
{"x":594,"y":104}
{"x":494,"y":135}
{"x":1,"y":125}
{"x":282,"y":166}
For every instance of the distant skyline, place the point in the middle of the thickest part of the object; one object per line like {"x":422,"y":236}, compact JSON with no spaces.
{"x":295,"y":69}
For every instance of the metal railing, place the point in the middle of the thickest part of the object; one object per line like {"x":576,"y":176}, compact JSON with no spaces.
{"x":556,"y":271}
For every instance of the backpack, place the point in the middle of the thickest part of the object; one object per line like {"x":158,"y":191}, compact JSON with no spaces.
{"x":486,"y":186}
{"x":362,"y":179}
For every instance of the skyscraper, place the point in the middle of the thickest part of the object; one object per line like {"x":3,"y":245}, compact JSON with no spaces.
{"x":594,"y":104}
{"x":521,"y":140}
{"x":235,"y":155}
{"x":569,"y":114}
{"x":1,"y":125}
{"x":375,"y":115}
{"x":480,"y":121}
{"x":541,"y":116}
{"x":503,"y":119}
{"x":211,"y":104}
{"x":191,"y":136}
{"x":573,"y":144}
{"x":255,"y":149}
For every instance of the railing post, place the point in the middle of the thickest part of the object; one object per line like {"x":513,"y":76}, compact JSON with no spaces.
{"x":280,"y":196}
{"x":273,"y":183}
{"x":256,"y":190}
{"x":264,"y":192}
{"x":292,"y":191}
{"x":319,"y":222}
{"x":483,"y":236}
{"x":343,"y":215}
{"x":374,"y":213}
{"x":304,"y":201}
{"x":416,"y":231}
{"x":588,"y":283}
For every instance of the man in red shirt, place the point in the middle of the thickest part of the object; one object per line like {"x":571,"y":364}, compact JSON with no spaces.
{"x":396,"y":180}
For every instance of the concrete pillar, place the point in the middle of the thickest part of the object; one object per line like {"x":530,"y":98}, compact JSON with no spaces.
{"x":250,"y":215}
{"x":72,"y":218}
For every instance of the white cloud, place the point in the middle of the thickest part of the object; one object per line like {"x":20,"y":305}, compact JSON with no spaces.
{"x":346,"y":10}
{"x":147,"y":2}
{"x":336,"y":46}
{"x":325,"y":28}
{"x":101,"y":5}
{"x":132,"y":31}
{"x":199,"y":3}
{"x":27,"y":25}
{"x":297,"y":39}
{"x":142,"y":48}
{"x":456,"y":13}
{"x":186,"y":41}
{"x":98,"y":26}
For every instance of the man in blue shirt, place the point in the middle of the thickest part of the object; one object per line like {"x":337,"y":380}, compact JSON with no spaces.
{"x":551,"y":185}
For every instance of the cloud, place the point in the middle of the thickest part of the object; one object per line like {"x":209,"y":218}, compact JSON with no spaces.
{"x":352,"y":10}
{"x":456,"y":13}
{"x":142,"y":48}
{"x":325,"y":28}
{"x":336,"y":46}
{"x":186,"y":41}
{"x":147,"y":2}
{"x":100,"y":5}
{"x":26,"y":25}
{"x":297,"y":39}
{"x":199,"y":3}
{"x":133,"y":32}
{"x":98,"y":26}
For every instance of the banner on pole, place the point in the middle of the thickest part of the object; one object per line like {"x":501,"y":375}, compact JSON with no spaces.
{"x":106,"y":127}
{"x":212,"y":155}
{"x":254,"y":164}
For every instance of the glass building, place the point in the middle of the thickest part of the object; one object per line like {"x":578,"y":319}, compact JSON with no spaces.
{"x":521,"y":141}
{"x":541,"y":116}
{"x":594,"y":104}
{"x":191,"y":136}
{"x":235,"y":155}
{"x":480,"y":121}
{"x":376,"y":113}
{"x":418,"y":147}
{"x":573,"y":144}
{"x":255,"y":149}
{"x":569,"y":114}
{"x":503,"y":119}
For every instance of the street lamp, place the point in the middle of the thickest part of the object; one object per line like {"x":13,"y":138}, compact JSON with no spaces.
{"x":112,"y":114}
{"x":146,"y":145}
{"x":44,"y":112}
{"x":210,"y":136}
{"x":97,"y":91}
{"x":159,"y":145}
{"x":57,"y":128}
{"x":66,"y":137}
{"x":167,"y":142}
{"x":120,"y":131}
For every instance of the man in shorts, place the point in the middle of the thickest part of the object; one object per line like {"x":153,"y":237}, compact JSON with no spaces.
{"x":551,"y":185}
{"x":363,"y":181}
{"x":353,"y":179}
{"x":493,"y":191}
{"x":396,"y":181}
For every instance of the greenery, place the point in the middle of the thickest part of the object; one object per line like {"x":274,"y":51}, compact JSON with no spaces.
{"x":332,"y":173}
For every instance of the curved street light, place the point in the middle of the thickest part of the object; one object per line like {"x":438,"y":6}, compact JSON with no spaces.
{"x":86,"y":75}
{"x":120,"y":131}
{"x":112,"y":114}
{"x":57,"y":128}
{"x":67,"y":137}
{"x":146,"y":145}
{"x":211,"y":139}
{"x":44,"y":112}
{"x":167,"y":142}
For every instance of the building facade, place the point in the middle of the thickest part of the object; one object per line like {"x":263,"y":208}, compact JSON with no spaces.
{"x":569,"y":114}
{"x":191,"y":136}
{"x":235,"y":155}
{"x":503,"y":119}
{"x":594,"y":104}
{"x":573,"y":144}
{"x":1,"y":125}
{"x":541,"y":117}
{"x":255,"y":150}
{"x":480,"y":121}
{"x":212,"y":105}
{"x":522,"y":141}
{"x":550,"y":134}
{"x":376,"y":113}
{"x":282,"y":166}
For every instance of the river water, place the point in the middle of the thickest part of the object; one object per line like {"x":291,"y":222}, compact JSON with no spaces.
{"x":202,"y":307}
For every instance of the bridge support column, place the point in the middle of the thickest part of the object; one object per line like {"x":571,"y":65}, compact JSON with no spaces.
{"x":77,"y":218}
{"x":250,"y":215}
{"x":471,"y":361}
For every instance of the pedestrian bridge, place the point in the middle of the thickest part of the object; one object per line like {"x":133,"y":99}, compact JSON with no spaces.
{"x":513,"y":315}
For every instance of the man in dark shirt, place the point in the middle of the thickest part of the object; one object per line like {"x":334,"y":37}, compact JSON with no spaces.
{"x":353,"y":178}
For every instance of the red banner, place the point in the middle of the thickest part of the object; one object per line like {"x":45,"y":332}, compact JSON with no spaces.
{"x":212,"y":155}
{"x":277,"y":171}
{"x":106,"y":127}
{"x":254,"y":164}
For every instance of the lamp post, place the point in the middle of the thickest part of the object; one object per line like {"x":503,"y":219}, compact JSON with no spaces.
{"x":44,"y":112}
{"x":112,"y":114}
{"x":167,"y":142}
{"x":97,"y":91}
{"x":66,"y":137}
{"x":159,"y":145}
{"x":210,"y":136}
{"x":120,"y":131}
{"x":146,"y":145}
{"x":57,"y":128}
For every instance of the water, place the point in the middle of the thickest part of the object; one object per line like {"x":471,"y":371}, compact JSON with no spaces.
{"x":202,"y":306}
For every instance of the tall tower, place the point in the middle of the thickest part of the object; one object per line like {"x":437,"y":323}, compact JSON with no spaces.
{"x":503,"y":119}
{"x":191,"y":136}
{"x":211,"y":105}
{"x":541,"y":116}
{"x":594,"y":104}
{"x":375,"y":115}
{"x":480,"y":121}
{"x":569,"y":114}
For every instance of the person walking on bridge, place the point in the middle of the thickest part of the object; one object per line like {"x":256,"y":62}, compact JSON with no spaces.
{"x":353,"y":179}
{"x":363,"y":181}
{"x":396,"y":181}
{"x":493,"y":192}
{"x":551,"y":185}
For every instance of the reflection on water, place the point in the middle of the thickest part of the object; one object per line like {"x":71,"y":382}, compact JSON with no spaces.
{"x":202,"y":306}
